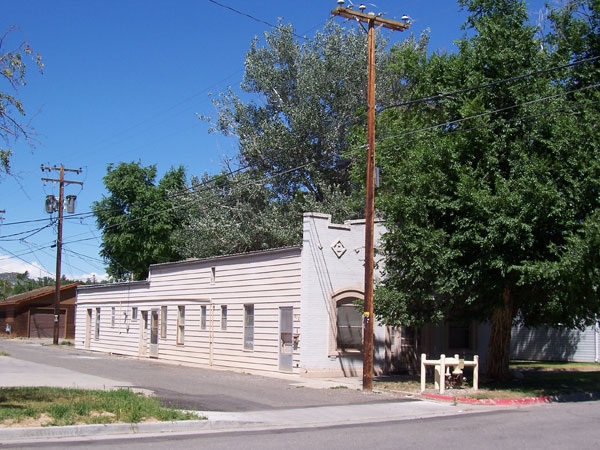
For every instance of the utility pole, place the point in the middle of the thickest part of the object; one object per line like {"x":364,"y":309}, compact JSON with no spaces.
{"x":52,"y":205}
{"x":372,"y":21}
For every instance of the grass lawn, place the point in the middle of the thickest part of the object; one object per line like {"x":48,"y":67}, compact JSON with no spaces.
{"x":46,"y":406}
{"x":532,"y":379}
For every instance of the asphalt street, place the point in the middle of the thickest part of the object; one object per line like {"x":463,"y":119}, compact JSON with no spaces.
{"x":231,"y":402}
{"x":178,"y":386}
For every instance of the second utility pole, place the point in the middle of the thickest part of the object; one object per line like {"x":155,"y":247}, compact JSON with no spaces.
{"x":372,"y":20}
{"x":61,"y":181}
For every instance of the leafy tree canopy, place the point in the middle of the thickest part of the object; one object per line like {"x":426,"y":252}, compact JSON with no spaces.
{"x":138,"y":218}
{"x":491,"y":204}
{"x":13,"y":69}
{"x":18,"y":283}
{"x":237,"y":212}
{"x":305,"y":97}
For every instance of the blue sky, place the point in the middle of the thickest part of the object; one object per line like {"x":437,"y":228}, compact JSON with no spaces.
{"x":124,"y":81}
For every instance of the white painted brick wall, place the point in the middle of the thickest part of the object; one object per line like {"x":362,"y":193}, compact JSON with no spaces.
{"x":323,"y":273}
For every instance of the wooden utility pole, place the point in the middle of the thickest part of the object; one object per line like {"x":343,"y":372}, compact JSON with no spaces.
{"x":372,"y":21}
{"x":59,"y":207}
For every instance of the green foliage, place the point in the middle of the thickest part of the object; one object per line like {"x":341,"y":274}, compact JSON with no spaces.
{"x":491,"y":206}
{"x":13,"y":70}
{"x":138,"y":218}
{"x":237,"y":212}
{"x":19,"y":283}
{"x":71,"y":406}
{"x":305,"y":97}
{"x":310,"y":95}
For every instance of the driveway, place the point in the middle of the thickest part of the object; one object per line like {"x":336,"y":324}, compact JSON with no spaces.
{"x":178,"y":386}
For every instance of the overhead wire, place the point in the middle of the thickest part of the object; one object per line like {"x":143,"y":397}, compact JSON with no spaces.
{"x":443,"y":95}
{"x":250,"y":16}
{"x":490,"y":112}
{"x":206,"y":183}
{"x":414,"y":101}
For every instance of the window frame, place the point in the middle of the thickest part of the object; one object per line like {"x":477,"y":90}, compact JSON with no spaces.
{"x":97,"y":325}
{"x":203,"y":315}
{"x":223,"y":317}
{"x":249,"y":326}
{"x":350,"y":312}
{"x":180,"y":324}
{"x":163,"y":321}
{"x":348,"y":294}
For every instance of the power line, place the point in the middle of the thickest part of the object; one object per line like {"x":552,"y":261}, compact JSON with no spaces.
{"x":490,"y":84}
{"x":437,"y":96}
{"x":250,"y":16}
{"x":486,"y":113}
{"x":32,"y":232}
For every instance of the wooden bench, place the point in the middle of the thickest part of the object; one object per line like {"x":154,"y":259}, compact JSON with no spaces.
{"x":442,"y":368}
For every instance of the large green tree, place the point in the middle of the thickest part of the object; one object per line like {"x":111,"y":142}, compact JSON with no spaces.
{"x":13,"y":70}
{"x":492,"y":206}
{"x":232,"y":213}
{"x":301,"y":98}
{"x":138,"y":218}
{"x":236,"y":212}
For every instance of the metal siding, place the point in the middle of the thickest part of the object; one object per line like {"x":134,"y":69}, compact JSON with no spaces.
{"x":553,"y":344}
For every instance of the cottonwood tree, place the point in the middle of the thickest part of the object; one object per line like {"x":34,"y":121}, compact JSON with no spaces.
{"x":13,"y":70}
{"x":232,"y":213}
{"x":304,"y":97}
{"x":492,"y":206}
{"x":138,"y":218}
{"x":237,"y":212}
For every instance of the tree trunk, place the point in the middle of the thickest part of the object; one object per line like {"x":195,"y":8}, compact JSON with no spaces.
{"x":498,"y":354}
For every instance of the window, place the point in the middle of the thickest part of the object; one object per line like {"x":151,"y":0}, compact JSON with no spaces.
{"x":349,"y":326}
{"x":163,"y":322}
{"x":154,"y":327}
{"x":112,"y":316}
{"x":213,"y":275}
{"x":180,"y":324}
{"x":203,"y":317}
{"x":97,"y":327}
{"x":223,"y":317}
{"x":248,"y":327}
{"x":134,"y":313}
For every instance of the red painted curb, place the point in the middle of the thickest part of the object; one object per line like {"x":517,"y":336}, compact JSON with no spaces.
{"x":491,"y":401}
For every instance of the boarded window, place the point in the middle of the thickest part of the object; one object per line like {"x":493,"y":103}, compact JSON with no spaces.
{"x":163,"y":322}
{"x":248,"y":327}
{"x":349,"y":326}
{"x":223,"y":317}
{"x":180,"y":324}
{"x":203,"y":317}
{"x":97,"y":328}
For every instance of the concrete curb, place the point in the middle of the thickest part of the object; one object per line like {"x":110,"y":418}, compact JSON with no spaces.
{"x":590,"y":396}
{"x":293,"y":418}
{"x":30,"y":434}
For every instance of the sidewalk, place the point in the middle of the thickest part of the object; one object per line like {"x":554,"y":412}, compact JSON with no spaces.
{"x":14,"y":372}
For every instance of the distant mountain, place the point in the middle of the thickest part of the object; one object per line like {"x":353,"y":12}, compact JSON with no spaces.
{"x":11,"y":277}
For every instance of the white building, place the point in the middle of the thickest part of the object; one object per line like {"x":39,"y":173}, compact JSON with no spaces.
{"x":283,"y":310}
{"x":289,"y":310}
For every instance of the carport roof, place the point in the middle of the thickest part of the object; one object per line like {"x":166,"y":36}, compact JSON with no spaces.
{"x":35,"y":294}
